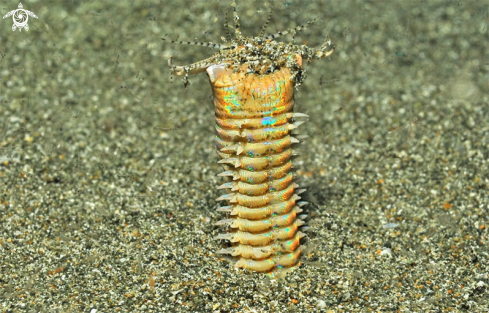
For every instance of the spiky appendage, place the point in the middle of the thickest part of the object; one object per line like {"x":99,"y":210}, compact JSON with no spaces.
{"x":253,"y":82}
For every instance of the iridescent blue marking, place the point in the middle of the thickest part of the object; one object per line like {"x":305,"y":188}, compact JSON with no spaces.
{"x":231,"y":98}
{"x":266,"y":121}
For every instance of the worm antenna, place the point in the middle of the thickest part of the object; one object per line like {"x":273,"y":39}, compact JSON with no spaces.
{"x":196,"y":43}
{"x":290,"y":30}
{"x":264,"y":27}
{"x":237,"y":27}
{"x":226,"y":27}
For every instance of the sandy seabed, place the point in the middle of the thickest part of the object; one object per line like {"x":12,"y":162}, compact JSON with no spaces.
{"x":108,"y":167}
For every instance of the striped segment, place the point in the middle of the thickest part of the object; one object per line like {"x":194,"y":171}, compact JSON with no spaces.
{"x":254,"y":121}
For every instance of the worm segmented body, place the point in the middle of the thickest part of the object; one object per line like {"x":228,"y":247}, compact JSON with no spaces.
{"x":253,"y":82}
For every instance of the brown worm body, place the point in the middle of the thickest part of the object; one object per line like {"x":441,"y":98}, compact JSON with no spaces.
{"x":253,"y":82}
{"x":254,"y":120}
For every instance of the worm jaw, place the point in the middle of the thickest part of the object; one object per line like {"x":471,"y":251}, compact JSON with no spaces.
{"x":261,"y":55}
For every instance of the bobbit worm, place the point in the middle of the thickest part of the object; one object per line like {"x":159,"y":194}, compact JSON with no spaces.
{"x":253,"y":81}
